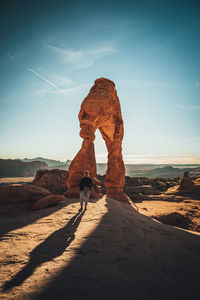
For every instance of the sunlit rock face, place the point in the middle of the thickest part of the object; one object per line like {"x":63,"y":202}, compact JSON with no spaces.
{"x":100,"y":110}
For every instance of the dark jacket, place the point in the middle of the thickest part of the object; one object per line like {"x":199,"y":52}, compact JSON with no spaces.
{"x":85,"y":181}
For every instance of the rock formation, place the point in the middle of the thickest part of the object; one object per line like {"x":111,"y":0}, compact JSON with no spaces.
{"x":186,"y":181}
{"x":47,"y":201}
{"x":26,"y":193}
{"x":100,"y":110}
{"x":52,"y":180}
{"x":34,"y":197}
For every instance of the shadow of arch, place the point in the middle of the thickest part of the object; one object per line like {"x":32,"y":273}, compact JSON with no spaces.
{"x":130,"y":256}
{"x":50,"y":248}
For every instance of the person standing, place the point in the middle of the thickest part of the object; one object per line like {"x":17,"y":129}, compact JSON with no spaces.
{"x":85,"y":189}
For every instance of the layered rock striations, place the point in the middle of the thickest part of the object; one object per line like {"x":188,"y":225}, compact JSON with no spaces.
{"x":100,"y":110}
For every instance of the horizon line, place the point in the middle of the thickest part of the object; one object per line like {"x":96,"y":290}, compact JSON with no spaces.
{"x":126,"y":162}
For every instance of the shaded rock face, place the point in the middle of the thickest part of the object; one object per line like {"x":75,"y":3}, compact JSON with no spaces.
{"x":174,"y":219}
{"x":186,"y":181}
{"x":18,"y":194}
{"x":52,"y":180}
{"x":100,"y":110}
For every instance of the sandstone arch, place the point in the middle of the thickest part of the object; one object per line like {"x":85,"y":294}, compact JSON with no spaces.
{"x":100,"y":110}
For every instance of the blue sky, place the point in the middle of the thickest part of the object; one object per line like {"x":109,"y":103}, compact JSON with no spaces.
{"x":51,"y":53}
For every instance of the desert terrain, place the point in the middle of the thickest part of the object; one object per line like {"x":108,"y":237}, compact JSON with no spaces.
{"x":148,"y":248}
{"x":109,"y":251}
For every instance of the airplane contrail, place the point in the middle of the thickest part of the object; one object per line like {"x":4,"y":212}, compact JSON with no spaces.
{"x":40,"y":76}
{"x":12,"y":57}
{"x":45,"y":79}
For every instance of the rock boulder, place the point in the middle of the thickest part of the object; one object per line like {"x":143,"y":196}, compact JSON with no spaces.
{"x":52,"y":180}
{"x":25,"y":193}
{"x":47,"y":201}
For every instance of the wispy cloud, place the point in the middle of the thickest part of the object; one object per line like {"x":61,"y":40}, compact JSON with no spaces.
{"x":69,"y":91}
{"x":49,"y":82}
{"x":188,"y":107}
{"x":84,"y":58}
{"x":40,"y":76}
{"x":197,"y":84}
{"x":10,"y":56}
{"x":60,"y":80}
{"x":62,"y":83}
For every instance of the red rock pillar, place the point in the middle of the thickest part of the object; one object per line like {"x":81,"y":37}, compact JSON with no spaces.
{"x":115,"y":174}
{"x":100,"y":110}
{"x":84,"y":160}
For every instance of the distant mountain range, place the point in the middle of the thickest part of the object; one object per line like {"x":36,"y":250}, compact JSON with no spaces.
{"x":18,"y":168}
{"x":28,"y":167}
{"x":166,"y":172}
{"x":153,"y":171}
{"x":50,"y":162}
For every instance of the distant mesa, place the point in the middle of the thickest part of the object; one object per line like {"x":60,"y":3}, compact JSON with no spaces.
{"x":100,"y":110}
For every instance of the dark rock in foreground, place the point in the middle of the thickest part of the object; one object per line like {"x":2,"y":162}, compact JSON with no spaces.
{"x":52,"y":180}
{"x":25,"y":193}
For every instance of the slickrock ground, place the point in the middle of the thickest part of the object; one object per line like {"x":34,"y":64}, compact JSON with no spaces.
{"x":184,"y":214}
{"x":176,"y":206}
{"x":110,"y":251}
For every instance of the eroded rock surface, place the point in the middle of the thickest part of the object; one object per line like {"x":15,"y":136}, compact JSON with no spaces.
{"x":176,"y":206}
{"x":52,"y":180}
{"x":100,"y":110}
{"x":47,"y":201}
{"x":26,"y":193}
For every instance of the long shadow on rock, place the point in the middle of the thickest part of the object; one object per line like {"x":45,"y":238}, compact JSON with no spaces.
{"x":130,"y":256}
{"x":14,"y":217}
{"x":194,"y":193}
{"x":49,"y":249}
